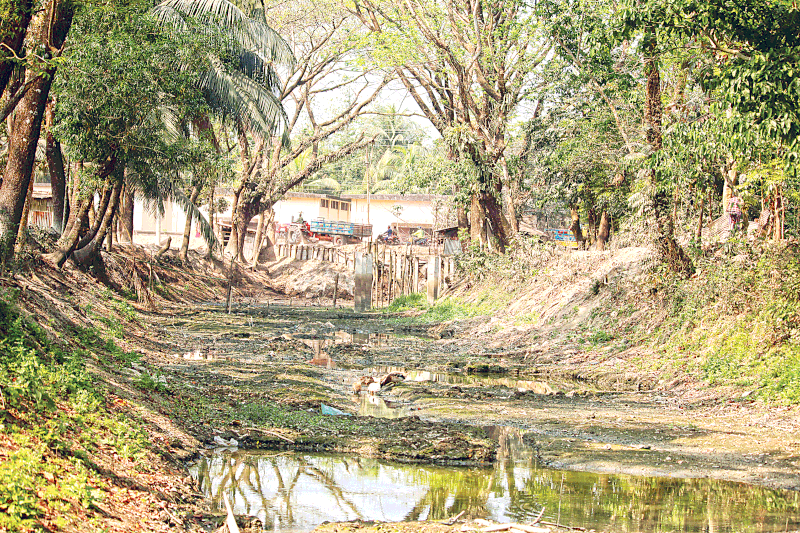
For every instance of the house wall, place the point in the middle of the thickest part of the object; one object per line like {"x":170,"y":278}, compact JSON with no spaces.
{"x":382,"y":213}
{"x":144,"y":220}
{"x":290,"y":207}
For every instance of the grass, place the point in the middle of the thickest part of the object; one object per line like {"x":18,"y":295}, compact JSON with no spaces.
{"x":737,"y":325}
{"x":448,"y":308}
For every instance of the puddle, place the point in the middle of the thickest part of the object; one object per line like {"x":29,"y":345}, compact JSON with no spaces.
{"x":486,"y":380}
{"x":298,"y":491}
{"x":380,"y":408}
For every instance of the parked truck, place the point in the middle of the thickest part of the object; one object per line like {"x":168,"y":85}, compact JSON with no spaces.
{"x":319,"y":229}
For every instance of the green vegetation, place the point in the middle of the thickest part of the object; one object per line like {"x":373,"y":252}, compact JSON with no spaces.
{"x":737,"y":323}
{"x":52,"y":418}
{"x":448,"y":308}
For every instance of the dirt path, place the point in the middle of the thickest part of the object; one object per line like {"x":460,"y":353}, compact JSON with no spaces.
{"x":302,"y":357}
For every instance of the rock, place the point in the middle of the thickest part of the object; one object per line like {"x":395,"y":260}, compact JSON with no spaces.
{"x":232,"y":443}
{"x":391,"y":378}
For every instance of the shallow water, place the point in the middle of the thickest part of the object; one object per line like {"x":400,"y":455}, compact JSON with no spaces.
{"x":298,"y":491}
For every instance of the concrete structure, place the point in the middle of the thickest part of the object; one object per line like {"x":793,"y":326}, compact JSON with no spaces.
{"x":362,"y":293}
{"x":404,"y":212}
{"x":434,"y":273}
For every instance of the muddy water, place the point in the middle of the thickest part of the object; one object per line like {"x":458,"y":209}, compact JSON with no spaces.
{"x":297,"y":491}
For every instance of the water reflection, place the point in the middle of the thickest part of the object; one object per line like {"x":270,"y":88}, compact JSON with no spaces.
{"x":486,"y":380}
{"x":320,"y":343}
{"x":376,"y":406}
{"x":298,"y":491}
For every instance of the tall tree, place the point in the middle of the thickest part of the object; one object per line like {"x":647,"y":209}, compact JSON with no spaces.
{"x":121,"y":104}
{"x":48,"y":32}
{"x":14,"y":19}
{"x":324,"y":42}
{"x":468,"y":65}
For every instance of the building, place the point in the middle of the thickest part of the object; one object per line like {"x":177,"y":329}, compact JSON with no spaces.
{"x":404,"y":212}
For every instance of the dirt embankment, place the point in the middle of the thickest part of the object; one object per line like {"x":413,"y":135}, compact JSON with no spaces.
{"x":163,"y":371}
{"x":193,"y":375}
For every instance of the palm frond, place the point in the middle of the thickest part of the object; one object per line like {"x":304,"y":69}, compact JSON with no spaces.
{"x":250,"y":34}
{"x":235,"y":93}
{"x":155,"y":187}
{"x":180,"y":198}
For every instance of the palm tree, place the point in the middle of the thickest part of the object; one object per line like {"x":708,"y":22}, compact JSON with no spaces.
{"x":245,"y":89}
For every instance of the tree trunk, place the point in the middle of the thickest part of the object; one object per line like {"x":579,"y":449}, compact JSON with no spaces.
{"x":110,"y":233}
{"x":668,"y":247}
{"x":493,"y":213}
{"x":95,"y":223}
{"x":77,"y":219}
{"x":86,"y":254}
{"x":591,"y":225}
{"x":15,"y":16}
{"x":258,"y":239}
{"x":476,"y":222}
{"x":55,"y":167}
{"x":66,"y":244}
{"x":126,"y":214}
{"x":244,"y":215}
{"x":187,"y":228}
{"x":72,"y":197}
{"x":233,"y":241}
{"x":575,"y":226}
{"x":23,"y":223}
{"x":699,"y":232}
{"x":211,"y":221}
{"x":26,"y":128}
{"x":605,"y":230}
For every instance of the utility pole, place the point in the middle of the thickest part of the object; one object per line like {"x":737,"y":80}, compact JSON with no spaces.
{"x":368,"y":156}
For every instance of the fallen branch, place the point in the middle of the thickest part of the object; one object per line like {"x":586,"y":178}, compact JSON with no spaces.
{"x":563,"y":526}
{"x":453,"y":520}
{"x":268,"y":432}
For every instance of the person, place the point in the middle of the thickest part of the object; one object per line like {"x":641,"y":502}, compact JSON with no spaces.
{"x":300,"y":218}
{"x":419,"y":234}
{"x":389,"y":232}
{"x":735,"y":210}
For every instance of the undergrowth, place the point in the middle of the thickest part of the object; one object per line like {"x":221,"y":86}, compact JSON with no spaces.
{"x":737,"y":322}
{"x":52,"y":419}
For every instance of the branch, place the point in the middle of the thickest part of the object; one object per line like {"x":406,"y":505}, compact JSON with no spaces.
{"x":314,"y":165}
{"x":14,"y":100}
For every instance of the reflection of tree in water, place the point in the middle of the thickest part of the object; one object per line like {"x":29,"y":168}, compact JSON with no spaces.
{"x":246,"y":477}
{"x":515,"y":489}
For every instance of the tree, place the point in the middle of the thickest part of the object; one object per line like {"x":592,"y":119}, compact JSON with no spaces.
{"x":120,"y":102}
{"x":48,"y":33}
{"x":324,"y":43}
{"x":468,"y":66}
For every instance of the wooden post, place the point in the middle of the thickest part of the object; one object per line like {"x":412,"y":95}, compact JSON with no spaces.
{"x":335,"y":289}
{"x":415,"y":273}
{"x":390,"y":279}
{"x":433,"y":279}
{"x":230,"y":287}
{"x":403,"y":268}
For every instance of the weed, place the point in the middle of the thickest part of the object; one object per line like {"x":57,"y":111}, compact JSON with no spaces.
{"x":149,"y":382}
{"x":53,"y":401}
{"x":406,"y":302}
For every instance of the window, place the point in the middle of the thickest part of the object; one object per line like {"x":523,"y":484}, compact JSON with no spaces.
{"x":334,"y":205}
{"x":345,"y":207}
{"x":323,"y":203}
